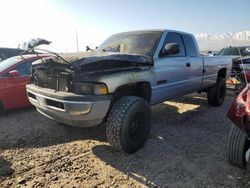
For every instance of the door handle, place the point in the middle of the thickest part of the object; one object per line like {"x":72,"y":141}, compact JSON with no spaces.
{"x":188,"y":64}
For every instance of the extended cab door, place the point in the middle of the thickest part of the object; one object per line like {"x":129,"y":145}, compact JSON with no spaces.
{"x":194,"y":62}
{"x":171,"y":71}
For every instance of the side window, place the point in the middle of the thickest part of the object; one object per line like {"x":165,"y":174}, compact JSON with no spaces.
{"x":190,"y":46}
{"x":24,"y":69}
{"x":175,"y":38}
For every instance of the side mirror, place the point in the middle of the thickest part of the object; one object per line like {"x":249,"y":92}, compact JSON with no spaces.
{"x":171,"y":49}
{"x":14,"y":73}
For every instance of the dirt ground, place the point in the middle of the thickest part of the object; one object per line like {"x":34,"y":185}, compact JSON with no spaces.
{"x":186,"y":148}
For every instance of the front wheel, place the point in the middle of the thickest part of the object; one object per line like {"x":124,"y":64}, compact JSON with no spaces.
{"x":128,"y":124}
{"x":238,"y":145}
{"x":217,"y":93}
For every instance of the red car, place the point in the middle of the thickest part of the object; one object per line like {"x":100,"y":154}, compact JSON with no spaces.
{"x":14,"y":75}
{"x":239,"y":136}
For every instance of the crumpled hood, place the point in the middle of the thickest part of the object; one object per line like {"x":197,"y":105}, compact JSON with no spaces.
{"x":111,"y":56}
{"x":95,"y":62}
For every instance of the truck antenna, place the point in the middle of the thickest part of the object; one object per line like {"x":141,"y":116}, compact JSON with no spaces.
{"x":77,"y":46}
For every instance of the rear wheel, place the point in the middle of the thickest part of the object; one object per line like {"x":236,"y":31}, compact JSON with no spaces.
{"x":128,"y":124}
{"x":238,"y":145}
{"x":217,"y":93}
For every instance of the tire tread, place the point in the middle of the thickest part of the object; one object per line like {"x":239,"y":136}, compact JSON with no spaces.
{"x":115,"y":118}
{"x":236,"y":147}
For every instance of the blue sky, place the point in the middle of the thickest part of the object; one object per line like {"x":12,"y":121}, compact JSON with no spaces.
{"x":95,"y":20}
{"x":191,"y":15}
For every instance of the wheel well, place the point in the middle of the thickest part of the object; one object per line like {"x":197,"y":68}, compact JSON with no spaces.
{"x":140,"y":89}
{"x":222,"y":73}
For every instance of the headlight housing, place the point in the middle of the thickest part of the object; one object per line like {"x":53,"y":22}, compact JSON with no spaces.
{"x":91,"y":88}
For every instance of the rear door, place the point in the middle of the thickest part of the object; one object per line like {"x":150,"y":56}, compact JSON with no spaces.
{"x":171,"y":71}
{"x":194,"y":62}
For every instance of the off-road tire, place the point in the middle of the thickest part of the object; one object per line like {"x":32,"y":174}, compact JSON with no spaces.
{"x":238,"y":144}
{"x":217,"y":93}
{"x":128,"y":124}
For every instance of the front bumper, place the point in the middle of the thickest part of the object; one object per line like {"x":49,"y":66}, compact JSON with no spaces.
{"x":69,"y":108}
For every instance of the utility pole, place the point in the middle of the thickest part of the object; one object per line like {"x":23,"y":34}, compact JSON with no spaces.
{"x":77,"y":47}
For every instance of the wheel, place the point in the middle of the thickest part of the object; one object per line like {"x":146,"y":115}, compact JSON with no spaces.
{"x":128,"y":124}
{"x":217,"y":93}
{"x":238,"y":145}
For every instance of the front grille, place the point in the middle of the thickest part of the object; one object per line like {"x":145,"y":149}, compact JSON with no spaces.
{"x":60,"y":81}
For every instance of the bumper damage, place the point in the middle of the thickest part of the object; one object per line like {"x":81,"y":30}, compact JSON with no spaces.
{"x":69,"y":108}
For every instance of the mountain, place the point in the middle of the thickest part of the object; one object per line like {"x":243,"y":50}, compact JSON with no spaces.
{"x":216,"y":42}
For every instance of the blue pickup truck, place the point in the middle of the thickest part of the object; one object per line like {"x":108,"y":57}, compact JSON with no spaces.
{"x":118,"y":82}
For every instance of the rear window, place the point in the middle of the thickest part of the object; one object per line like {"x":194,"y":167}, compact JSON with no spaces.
{"x":190,"y":46}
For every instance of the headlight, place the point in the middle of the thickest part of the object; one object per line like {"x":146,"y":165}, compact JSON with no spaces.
{"x":90,"y":88}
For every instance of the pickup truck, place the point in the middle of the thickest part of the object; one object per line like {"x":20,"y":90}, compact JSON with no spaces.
{"x":118,"y":82}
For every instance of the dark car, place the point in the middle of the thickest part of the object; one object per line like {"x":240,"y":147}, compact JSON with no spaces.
{"x":6,"y":53}
{"x":241,"y":60}
{"x":235,"y":51}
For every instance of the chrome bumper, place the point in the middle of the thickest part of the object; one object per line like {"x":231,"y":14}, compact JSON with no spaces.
{"x":72,"y":112}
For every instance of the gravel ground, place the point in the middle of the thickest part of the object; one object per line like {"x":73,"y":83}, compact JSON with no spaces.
{"x":186,"y":148}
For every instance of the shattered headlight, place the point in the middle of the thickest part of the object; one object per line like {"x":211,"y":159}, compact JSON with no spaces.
{"x":91,"y":88}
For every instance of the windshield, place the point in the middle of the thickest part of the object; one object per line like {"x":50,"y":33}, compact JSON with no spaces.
{"x":143,"y":42}
{"x":9,"y":62}
{"x":244,"y":51}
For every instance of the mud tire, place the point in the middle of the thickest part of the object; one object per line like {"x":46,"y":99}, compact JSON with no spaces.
{"x":238,"y":144}
{"x":217,"y":93}
{"x":128,"y":124}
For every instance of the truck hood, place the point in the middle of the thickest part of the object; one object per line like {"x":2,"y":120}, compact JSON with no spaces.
{"x":112,"y":56}
{"x":96,"y":61}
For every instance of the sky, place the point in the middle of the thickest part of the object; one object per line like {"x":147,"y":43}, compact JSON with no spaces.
{"x":95,"y":20}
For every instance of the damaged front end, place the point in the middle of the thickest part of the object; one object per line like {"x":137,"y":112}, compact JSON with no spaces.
{"x":52,"y":73}
{"x":90,"y":75}
{"x":79,"y":92}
